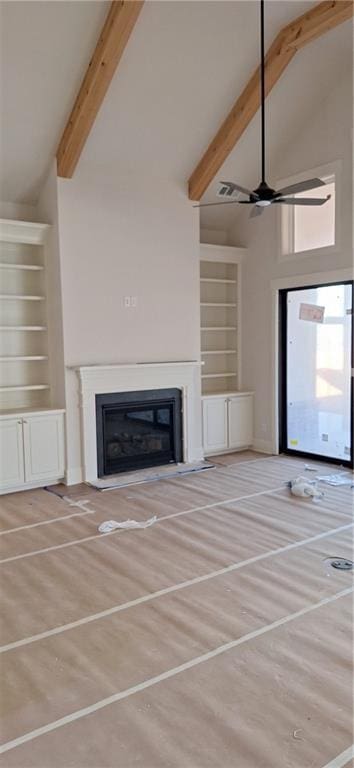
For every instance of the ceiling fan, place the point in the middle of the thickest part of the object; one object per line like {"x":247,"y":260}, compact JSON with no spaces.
{"x":263,"y":195}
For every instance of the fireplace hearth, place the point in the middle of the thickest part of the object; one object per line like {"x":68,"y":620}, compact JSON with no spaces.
{"x":138,"y":429}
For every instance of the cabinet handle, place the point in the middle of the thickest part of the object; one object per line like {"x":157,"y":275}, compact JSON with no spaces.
{"x":24,"y":421}
{"x":19,"y":422}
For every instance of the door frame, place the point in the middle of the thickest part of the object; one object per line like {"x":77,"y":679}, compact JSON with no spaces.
{"x":283,"y":431}
{"x":296,"y":281}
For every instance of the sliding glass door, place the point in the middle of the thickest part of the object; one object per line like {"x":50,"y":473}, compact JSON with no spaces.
{"x":316,"y":371}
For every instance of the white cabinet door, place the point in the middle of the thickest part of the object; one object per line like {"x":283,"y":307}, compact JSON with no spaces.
{"x":214,"y":424}
{"x":11,"y":453}
{"x":44,"y":447}
{"x":240,"y":413}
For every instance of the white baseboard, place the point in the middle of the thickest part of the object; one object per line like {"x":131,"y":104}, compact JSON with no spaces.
{"x":207,"y":454}
{"x":31,"y":486}
{"x":73,"y":476}
{"x":263,"y":446}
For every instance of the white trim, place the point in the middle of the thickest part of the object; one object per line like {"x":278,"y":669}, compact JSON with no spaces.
{"x":228,"y":393}
{"x":329,"y":171}
{"x":229,"y":254}
{"x":22,"y":412}
{"x":33,"y":233}
{"x":341,"y":760}
{"x":170,"y":673}
{"x":31,"y":486}
{"x":102,"y":379}
{"x":263,"y":446}
{"x":294,"y":281}
{"x":315,"y":278}
{"x":239,"y":326}
{"x":73,"y":476}
{"x":274,"y":353}
{"x":98,"y":369}
{"x":168,"y":590}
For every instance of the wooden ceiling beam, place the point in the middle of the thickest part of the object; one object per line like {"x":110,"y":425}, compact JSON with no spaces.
{"x":316,"y":22}
{"x":112,"y":41}
{"x":319,"y":20}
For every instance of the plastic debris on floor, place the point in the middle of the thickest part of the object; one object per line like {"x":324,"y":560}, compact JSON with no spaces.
{"x":306,"y":489}
{"x":112,"y":525}
{"x":342,"y":478}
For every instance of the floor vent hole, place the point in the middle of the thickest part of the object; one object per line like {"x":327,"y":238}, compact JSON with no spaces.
{"x":340,"y":563}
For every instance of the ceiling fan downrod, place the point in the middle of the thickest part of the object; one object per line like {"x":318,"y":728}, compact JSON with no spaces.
{"x":264,"y":195}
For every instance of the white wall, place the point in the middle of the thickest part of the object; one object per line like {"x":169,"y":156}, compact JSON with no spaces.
{"x":18,"y":211}
{"x":213,"y":236}
{"x":326,"y":138}
{"x":125,"y":237}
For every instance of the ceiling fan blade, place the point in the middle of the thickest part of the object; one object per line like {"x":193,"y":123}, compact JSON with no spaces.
{"x":247,"y":202}
{"x":301,"y":186}
{"x":238,"y":187}
{"x":303,"y":201}
{"x":257,"y":210}
{"x":224,"y":202}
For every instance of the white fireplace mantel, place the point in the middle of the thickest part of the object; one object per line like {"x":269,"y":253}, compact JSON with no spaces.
{"x":127,"y":377}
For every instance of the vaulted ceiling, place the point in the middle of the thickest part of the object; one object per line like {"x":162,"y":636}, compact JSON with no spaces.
{"x":184,"y":65}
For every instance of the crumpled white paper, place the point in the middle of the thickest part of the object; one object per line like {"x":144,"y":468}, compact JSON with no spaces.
{"x":112,"y":525}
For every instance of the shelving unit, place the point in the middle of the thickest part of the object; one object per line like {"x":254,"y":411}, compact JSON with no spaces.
{"x":219,"y":323}
{"x":31,"y":423}
{"x":227,"y":411}
{"x":24,"y":380}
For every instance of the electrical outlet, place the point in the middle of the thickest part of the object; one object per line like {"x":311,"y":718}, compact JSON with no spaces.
{"x":133,"y":301}
{"x":127,"y":301}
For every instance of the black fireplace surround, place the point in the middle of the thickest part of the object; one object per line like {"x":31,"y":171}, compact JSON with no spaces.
{"x":138,"y":429}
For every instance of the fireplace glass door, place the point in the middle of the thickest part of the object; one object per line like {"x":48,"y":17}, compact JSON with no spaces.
{"x":137,"y":434}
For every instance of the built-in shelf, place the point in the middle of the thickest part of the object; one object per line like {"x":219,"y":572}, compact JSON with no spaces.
{"x":24,"y":387}
{"x":33,"y":267}
{"x":217,"y":304}
{"x":222,"y":375}
{"x":20,"y":297}
{"x":218,"y":351}
{"x":218,"y":328}
{"x":23,"y":335}
{"x":23,"y":328}
{"x":217,"y":280}
{"x":18,"y":358}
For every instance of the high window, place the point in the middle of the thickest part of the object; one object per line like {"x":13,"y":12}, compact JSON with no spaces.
{"x":305,"y":229}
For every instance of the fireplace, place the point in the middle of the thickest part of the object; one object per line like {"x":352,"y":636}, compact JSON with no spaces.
{"x":138,"y":429}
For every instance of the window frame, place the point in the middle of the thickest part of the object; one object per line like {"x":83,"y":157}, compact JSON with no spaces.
{"x":329,"y":172}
